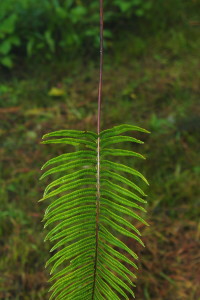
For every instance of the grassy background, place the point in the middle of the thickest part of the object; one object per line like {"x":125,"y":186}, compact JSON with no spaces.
{"x":151,"y":79}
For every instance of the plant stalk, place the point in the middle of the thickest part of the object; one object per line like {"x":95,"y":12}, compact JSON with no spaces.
{"x":101,"y":69}
{"x":98,"y":147}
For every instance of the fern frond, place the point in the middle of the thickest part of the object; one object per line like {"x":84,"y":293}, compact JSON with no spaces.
{"x":89,"y":206}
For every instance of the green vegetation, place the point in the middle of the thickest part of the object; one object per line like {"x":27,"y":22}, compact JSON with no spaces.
{"x":151,"y":79}
{"x":32,"y":29}
{"x":65,"y":28}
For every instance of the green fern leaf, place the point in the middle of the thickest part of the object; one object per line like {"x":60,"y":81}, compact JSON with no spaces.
{"x":87,"y":213}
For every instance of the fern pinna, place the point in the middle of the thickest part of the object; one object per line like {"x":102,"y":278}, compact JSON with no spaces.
{"x":89,"y":207}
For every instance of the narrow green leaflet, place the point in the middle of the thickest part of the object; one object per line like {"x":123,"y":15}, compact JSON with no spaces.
{"x":84,"y":163}
{"x":70,"y":141}
{"x":72,"y":133}
{"x":116,"y":130}
{"x":120,"y":152}
{"x":70,"y":156}
{"x":115,"y":140}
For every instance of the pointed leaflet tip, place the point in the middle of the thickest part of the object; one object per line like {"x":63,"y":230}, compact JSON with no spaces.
{"x":45,"y":136}
{"x":41,"y":177}
{"x":41,"y":200}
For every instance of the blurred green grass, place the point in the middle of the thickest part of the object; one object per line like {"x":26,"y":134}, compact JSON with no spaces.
{"x":154,"y":87}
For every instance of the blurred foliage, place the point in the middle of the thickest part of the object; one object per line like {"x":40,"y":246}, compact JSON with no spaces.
{"x":50,"y":28}
{"x":54,"y":26}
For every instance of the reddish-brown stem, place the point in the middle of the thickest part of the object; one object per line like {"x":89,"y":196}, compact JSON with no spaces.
{"x":98,"y":149}
{"x":101,"y":69}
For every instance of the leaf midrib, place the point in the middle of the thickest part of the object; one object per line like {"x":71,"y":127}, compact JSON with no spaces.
{"x":97,"y":216}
